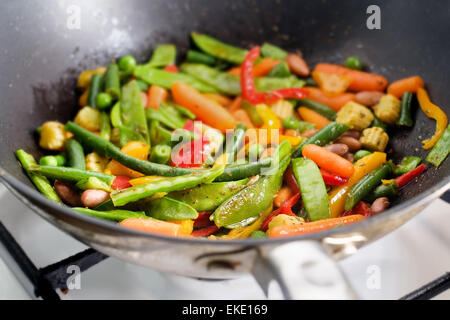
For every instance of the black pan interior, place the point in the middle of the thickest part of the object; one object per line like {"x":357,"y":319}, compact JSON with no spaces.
{"x":41,"y":55}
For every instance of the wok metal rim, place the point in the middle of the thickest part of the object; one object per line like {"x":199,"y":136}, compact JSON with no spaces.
{"x":23,"y":189}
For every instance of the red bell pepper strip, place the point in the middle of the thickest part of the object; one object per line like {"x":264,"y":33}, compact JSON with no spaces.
{"x":204,"y":232}
{"x":360,"y":208}
{"x":332,"y":179}
{"x":290,"y":180}
{"x":248,"y":87}
{"x":202,"y":219}
{"x":171,"y":68}
{"x":191,"y":154}
{"x":286,"y":208}
{"x":404,"y":179}
{"x":121,"y":182}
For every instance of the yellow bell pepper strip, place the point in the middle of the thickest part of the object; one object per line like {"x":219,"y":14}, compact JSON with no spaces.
{"x":270,"y":119}
{"x":245,"y":232}
{"x":362,"y":167}
{"x":146,"y":179}
{"x":432,"y":111}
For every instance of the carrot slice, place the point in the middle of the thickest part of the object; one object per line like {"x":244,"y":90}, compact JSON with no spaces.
{"x":328,"y":160}
{"x":361,"y":81}
{"x":220,"y":99}
{"x":156,"y":95}
{"x":260,"y":69}
{"x":153,"y":226}
{"x":399,"y":87}
{"x":207,"y":110}
{"x":335,"y":102}
{"x":313,"y":117}
{"x":235,"y":105}
{"x":242,"y":116}
{"x":311,"y":227}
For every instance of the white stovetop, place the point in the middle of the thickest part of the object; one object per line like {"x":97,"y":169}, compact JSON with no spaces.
{"x":411,"y":256}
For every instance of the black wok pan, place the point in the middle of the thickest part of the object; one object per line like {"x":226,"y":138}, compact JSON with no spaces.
{"x":43,"y":50}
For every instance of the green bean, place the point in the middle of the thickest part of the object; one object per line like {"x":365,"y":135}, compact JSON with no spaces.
{"x":252,"y":113}
{"x":41,"y":182}
{"x":106,"y":148}
{"x":319,"y":108}
{"x":163,"y":55}
{"x":75,"y":154}
{"x":274,"y":52}
{"x":407,"y":164}
{"x":185,"y":112}
{"x":219,"y":49}
{"x":383,"y":190}
{"x":70,"y":174}
{"x":361,"y":154}
{"x":366,"y":184}
{"x":167,"y":115}
{"x":405,"y":111}
{"x":165,"y":79}
{"x":378,"y":123}
{"x":112,"y":81}
{"x":440,"y":150}
{"x":255,"y":150}
{"x":132,"y":111}
{"x":199,"y":57}
{"x":105,"y":126}
{"x":126,"y":135}
{"x":114,"y":215}
{"x":93,"y":183}
{"x":230,"y":84}
{"x":238,"y":139}
{"x":169,"y":209}
{"x":327,"y":134}
{"x":160,"y":154}
{"x":159,"y":134}
{"x":94,"y":89}
{"x":281,"y":70}
{"x":207,"y":197}
{"x":312,"y":188}
{"x":132,"y":194}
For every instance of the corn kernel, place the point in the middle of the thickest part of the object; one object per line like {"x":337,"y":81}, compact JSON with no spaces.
{"x":374,"y":139}
{"x":52,"y":135}
{"x":388,"y":109}
{"x":355,"y":115}
{"x":89,"y":118}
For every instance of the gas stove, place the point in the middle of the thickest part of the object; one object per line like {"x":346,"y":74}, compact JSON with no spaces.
{"x":390,"y":268}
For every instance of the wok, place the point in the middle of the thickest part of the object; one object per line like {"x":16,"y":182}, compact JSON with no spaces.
{"x":43,"y":51}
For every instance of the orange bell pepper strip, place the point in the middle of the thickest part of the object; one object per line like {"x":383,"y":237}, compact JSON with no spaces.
{"x":399,"y":87}
{"x":136,"y":149}
{"x":362,"y":167}
{"x":432,"y":111}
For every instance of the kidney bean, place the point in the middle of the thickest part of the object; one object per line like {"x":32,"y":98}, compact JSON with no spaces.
{"x":379,"y":205}
{"x":338,"y":148}
{"x":368,"y":98}
{"x":349,"y":156}
{"x":92,"y":197}
{"x":352,"y":133}
{"x":352,"y":143}
{"x":309,"y":133}
{"x":297,"y":65}
{"x":67,"y":194}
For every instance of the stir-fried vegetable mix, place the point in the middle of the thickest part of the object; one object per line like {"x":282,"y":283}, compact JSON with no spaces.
{"x":232,"y":143}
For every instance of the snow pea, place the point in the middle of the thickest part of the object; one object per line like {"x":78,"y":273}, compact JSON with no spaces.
{"x":272,"y":51}
{"x":207,"y":197}
{"x":163,"y":55}
{"x":281,"y":70}
{"x":312,"y":188}
{"x":165,"y":79}
{"x":105,"y":126}
{"x":158,"y":134}
{"x":219,"y":49}
{"x":93,"y":183}
{"x":200,"y":57}
{"x":440,"y":150}
{"x":114,"y":215}
{"x":135,"y":193}
{"x":132,"y":111}
{"x":40,"y":181}
{"x":245,"y":206}
{"x":75,"y":154}
{"x":167,"y":115}
{"x":169,"y":209}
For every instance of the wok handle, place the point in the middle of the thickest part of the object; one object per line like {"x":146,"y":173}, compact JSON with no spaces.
{"x":303,"y":270}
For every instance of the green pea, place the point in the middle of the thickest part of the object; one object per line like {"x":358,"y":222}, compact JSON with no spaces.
{"x":127,"y":63}
{"x":258,"y":234}
{"x":103,"y":100}
{"x":353,"y":63}
{"x":60,"y":160}
{"x":48,"y":161}
{"x":254,"y":151}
